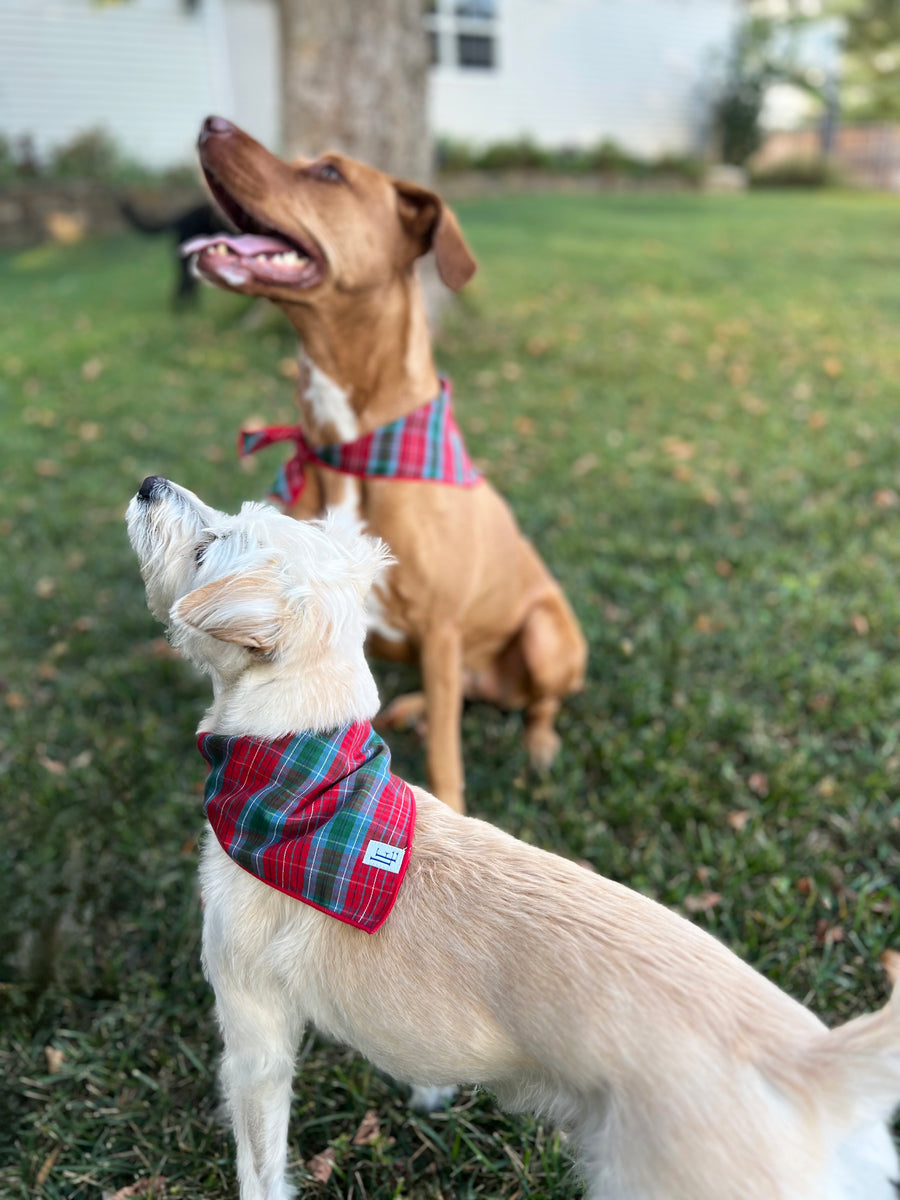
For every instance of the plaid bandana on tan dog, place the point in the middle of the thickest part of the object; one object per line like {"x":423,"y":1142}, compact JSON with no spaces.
{"x":318,"y":816}
{"x":426,"y":446}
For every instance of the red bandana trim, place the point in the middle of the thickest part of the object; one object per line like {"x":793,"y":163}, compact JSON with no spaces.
{"x":426,"y":445}
{"x":319,"y":817}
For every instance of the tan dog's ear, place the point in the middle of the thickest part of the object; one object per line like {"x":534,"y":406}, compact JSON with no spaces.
{"x":244,"y":609}
{"x":429,"y":221}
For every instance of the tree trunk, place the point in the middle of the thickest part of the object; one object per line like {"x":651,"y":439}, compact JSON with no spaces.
{"x":354,"y":78}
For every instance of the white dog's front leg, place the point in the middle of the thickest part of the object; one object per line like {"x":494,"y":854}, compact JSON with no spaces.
{"x":256,"y":1074}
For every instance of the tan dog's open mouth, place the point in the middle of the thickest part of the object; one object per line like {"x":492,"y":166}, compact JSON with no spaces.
{"x":256,"y":253}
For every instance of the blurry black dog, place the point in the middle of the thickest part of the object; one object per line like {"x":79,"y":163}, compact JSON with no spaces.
{"x":200,"y":221}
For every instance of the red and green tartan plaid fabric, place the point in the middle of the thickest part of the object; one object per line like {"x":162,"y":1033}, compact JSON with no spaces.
{"x":426,"y":445}
{"x":317,"y":816}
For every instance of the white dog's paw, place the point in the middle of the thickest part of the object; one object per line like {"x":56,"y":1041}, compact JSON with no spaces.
{"x":431,"y":1099}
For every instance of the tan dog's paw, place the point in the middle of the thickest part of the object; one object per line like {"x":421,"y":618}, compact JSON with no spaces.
{"x":543,"y":746}
{"x":404,"y":712}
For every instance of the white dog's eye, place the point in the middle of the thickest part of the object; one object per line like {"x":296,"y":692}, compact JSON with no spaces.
{"x":200,"y":551}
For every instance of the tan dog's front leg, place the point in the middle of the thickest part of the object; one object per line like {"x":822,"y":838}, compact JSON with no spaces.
{"x":443,"y":679}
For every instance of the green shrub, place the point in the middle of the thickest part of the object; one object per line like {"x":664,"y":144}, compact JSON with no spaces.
{"x":522,"y":154}
{"x":89,"y":155}
{"x":609,"y":156}
{"x":452,"y":154}
{"x":795,"y":172}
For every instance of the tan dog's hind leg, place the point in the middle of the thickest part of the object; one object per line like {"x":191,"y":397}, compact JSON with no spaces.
{"x":555,"y":655}
{"x":442,"y":674}
{"x":408,"y":711}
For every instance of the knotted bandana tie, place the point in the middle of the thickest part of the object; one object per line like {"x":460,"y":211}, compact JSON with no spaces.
{"x":426,"y":445}
{"x":317,"y":816}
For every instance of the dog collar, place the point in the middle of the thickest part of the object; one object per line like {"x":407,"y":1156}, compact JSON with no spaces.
{"x":317,"y":816}
{"x":426,"y":445}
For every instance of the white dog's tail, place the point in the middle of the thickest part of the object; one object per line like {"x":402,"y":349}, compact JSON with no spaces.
{"x":858,"y":1064}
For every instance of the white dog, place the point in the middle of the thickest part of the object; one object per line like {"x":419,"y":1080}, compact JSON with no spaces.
{"x":678,"y":1072}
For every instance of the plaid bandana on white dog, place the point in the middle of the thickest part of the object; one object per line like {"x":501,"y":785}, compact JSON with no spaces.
{"x":318,"y":816}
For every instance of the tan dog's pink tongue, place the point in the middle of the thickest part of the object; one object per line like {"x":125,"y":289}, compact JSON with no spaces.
{"x":244,"y":244}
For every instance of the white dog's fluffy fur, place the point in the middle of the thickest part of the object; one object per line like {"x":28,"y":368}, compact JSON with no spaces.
{"x":678,"y":1072}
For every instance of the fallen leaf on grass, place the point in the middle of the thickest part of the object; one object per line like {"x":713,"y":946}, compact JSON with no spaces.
{"x":55,"y":1059}
{"x":724,"y":567}
{"x":89,"y":431}
{"x":817,"y":420}
{"x":15,"y":700}
{"x":511,"y":371}
{"x":46,"y":1167}
{"x":153,"y":1186}
{"x":738,"y":819}
{"x":826,"y":787}
{"x":321,"y":1165}
{"x":758,"y":783}
{"x":91,"y":370}
{"x":678,"y":448}
{"x":833,"y":367}
{"x":753,"y":405}
{"x":583,"y":464}
{"x":860,"y":624}
{"x":827,"y":934}
{"x":45,"y":417}
{"x":289,"y":368}
{"x":369,"y":1130}
{"x":52,"y":765}
{"x":47,"y":468}
{"x":886,"y":498}
{"x":702,"y":903}
{"x":525,"y":426}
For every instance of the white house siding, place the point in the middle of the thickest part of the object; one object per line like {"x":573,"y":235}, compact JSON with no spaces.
{"x":567,"y":71}
{"x":576,"y":71}
{"x":146,"y":71}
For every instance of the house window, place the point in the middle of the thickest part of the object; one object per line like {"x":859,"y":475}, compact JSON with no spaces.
{"x":475,"y":50}
{"x":481,"y":9}
{"x":462,"y":33}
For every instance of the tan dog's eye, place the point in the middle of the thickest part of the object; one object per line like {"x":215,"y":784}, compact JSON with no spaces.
{"x":327,"y":172}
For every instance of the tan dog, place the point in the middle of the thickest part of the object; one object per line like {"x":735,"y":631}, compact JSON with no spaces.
{"x":469,"y":599}
{"x":679,"y":1072}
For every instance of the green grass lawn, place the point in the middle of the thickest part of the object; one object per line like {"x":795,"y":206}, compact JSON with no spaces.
{"x":692,"y":404}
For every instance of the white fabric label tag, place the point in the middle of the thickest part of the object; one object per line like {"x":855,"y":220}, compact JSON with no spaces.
{"x":383,"y":856}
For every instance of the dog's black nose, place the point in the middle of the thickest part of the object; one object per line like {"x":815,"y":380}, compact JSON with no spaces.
{"x":151,"y":484}
{"x":215,"y":127}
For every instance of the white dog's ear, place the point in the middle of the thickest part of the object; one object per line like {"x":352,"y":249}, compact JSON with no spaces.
{"x":247,"y":610}
{"x":366,"y":557}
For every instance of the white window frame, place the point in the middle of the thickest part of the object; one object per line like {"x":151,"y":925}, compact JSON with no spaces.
{"x":446,"y":25}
